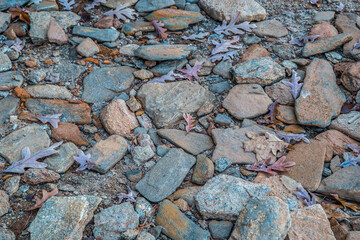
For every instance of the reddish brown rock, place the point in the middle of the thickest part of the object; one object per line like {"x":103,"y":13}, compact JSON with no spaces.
{"x":105,"y":22}
{"x":254,"y":51}
{"x":68,"y":132}
{"x":309,"y":159}
{"x":21,"y":93}
{"x":350,"y":78}
{"x":87,"y":48}
{"x":324,"y":30}
{"x":56,"y":34}
{"x":286,"y":114}
{"x":35,"y":176}
{"x":30,"y":63}
{"x":204,"y":170}
{"x":347,"y":24}
{"x":279,"y":91}
{"x":118,"y":119}
{"x":182,"y":205}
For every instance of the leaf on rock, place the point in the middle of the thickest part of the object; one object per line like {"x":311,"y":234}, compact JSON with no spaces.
{"x":354,"y":147}
{"x":223,"y":56}
{"x":52,"y":119}
{"x":122,"y":13}
{"x":130,"y":196}
{"x":301,"y":41}
{"x":46,"y":195}
{"x":15,"y":44}
{"x":94,"y":4}
{"x":294,"y":84}
{"x":67,"y":4}
{"x":224,"y":45}
{"x":196,"y":36}
{"x":234,"y":28}
{"x":350,"y":160}
{"x":345,"y":204}
{"x":159,"y":29}
{"x":301,"y":193}
{"x":288,"y":137}
{"x":191,"y":72}
{"x":170,"y":76}
{"x":279,"y":165}
{"x":357,"y":45}
{"x":29,"y":160}
{"x":190,"y":122}
{"x":84,"y":161}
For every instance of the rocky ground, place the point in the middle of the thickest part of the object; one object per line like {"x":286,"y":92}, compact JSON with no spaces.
{"x":151,"y":121}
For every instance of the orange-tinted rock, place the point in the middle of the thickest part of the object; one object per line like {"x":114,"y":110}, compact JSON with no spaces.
{"x":21,"y":93}
{"x":347,"y":24}
{"x":30,"y":63}
{"x":286,"y":114}
{"x":350,"y":78}
{"x":20,"y":29}
{"x":204,"y":170}
{"x":68,"y":132}
{"x":56,"y":34}
{"x":182,"y":205}
{"x":254,"y":51}
{"x":324,"y":30}
{"x":36,"y":176}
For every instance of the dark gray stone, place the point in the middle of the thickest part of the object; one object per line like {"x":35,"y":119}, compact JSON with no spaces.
{"x":5,"y":4}
{"x":167,"y":66}
{"x":49,"y":91}
{"x":224,"y":120}
{"x":69,"y":72}
{"x":220,"y":229}
{"x":4,"y":203}
{"x":5,"y":62}
{"x":102,"y":35}
{"x":150,"y":6}
{"x":60,"y":162}
{"x":8,"y":106}
{"x":220,"y":87}
{"x":223,"y":69}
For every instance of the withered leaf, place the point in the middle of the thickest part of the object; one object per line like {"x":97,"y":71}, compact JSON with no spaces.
{"x":45,"y":197}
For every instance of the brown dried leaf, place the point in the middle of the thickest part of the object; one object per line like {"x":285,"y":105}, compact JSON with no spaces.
{"x":294,"y":129}
{"x":345,"y":204}
{"x":45,"y":197}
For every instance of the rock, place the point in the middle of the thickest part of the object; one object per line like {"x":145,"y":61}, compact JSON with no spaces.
{"x":143,"y":74}
{"x":16,"y":29}
{"x":115,"y":3}
{"x":34,"y":176}
{"x":224,"y":120}
{"x":188,"y":194}
{"x":150,"y":6}
{"x":175,"y":19}
{"x":274,"y":222}
{"x":353,"y":235}
{"x":163,"y":52}
{"x":309,"y":159}
{"x":69,"y":71}
{"x":56,"y":34}
{"x":348,"y":124}
{"x":10,"y":80}
{"x":6,"y":234}
{"x":324,"y":16}
{"x":279,"y":91}
{"x":270,"y":28}
{"x":49,"y":91}
{"x":87,"y":48}
{"x":220,"y":229}
{"x":249,"y":10}
{"x":128,"y":50}
{"x":39,"y":24}
{"x":11,"y":185}
{"x":253,"y":52}
{"x":60,"y":162}
{"x":165,"y":103}
{"x":68,"y":132}
{"x":4,"y":203}
{"x":350,"y":78}
{"x":168,"y":173}
{"x":123,"y":215}
{"x":247,"y":101}
{"x":138,"y":26}
{"x":63,"y":217}
{"x":223,"y":197}
{"x":142,"y":154}
{"x":118,"y":119}
{"x":335,"y":164}
{"x":346,"y":23}
{"x":203,"y":170}
{"x":32,"y":136}
{"x":344,"y":182}
{"x":324,"y":30}
{"x":320,"y":98}
{"x":229,"y":142}
{"x":186,"y":140}
{"x":5,"y":19}
{"x":222,"y":164}
{"x":223,"y":69}
{"x":105,"y":22}
{"x":102,"y":35}
{"x":143,"y":208}
{"x":133,"y":104}
{"x":167,"y":66}
{"x":176,"y":225}
{"x":263,"y":71}
{"x":286,"y":114}
{"x":310,"y":223}
{"x":108,"y":152}
{"x":8,"y":106}
{"x":5,"y":62}
{"x":73,"y":112}
{"x":182,"y":205}
{"x":145,"y":236}
{"x":104,"y":84}
{"x":325,"y":45}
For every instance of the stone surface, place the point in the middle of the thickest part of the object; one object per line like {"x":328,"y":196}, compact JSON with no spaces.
{"x":6,"y":234}
{"x":175,"y":19}
{"x":102,"y":35}
{"x":123,"y":215}
{"x":49,"y":91}
{"x":5,"y":19}
{"x":325,"y":45}
{"x":32,"y":136}
{"x":87,"y":48}
{"x":223,"y":69}
{"x":262,"y":218}
{"x":167,"y":66}
{"x":143,"y":74}
{"x":176,"y":225}
{"x":60,"y":162}
{"x":346,"y":23}
{"x":350,"y":78}
{"x":150,"y":6}
{"x":247,"y":101}
{"x":279,"y":91}
{"x":165,"y":103}
{"x":63,"y":217}
{"x":163,"y":52}
{"x":4,"y":203}
{"x":187,"y":193}
{"x":108,"y":152}
{"x":69,"y":71}
{"x":73,"y":112}
{"x":138,"y":26}
{"x":8,"y":107}
{"x":186,"y":140}
{"x":142,"y":154}
{"x":348,"y":124}
{"x":168,"y":173}
{"x":324,"y":16}
{"x":56,"y":34}
{"x":286,"y":114}
{"x":309,"y":160}
{"x":220,"y":229}
{"x":254,"y":51}
{"x":118,"y":119}
{"x":310,"y":223}
{"x":115,"y":3}
{"x":12,"y":184}
{"x":324,"y":30}
{"x":345,"y":182}
{"x":40,"y":22}
{"x":68,"y":132}
{"x":263,"y":71}
{"x":36,"y":176}
{"x":270,"y":28}
{"x":10,"y":80}
{"x":5,"y":62}
{"x":320,"y":98}
{"x":249,"y":10}
{"x":104,"y":84}
{"x":223,"y":196}
{"x":203,"y":170}
{"x":354,"y":235}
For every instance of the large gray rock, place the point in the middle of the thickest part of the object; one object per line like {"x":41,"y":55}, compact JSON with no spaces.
{"x":8,"y":106}
{"x":164,"y":52}
{"x":168,"y":173}
{"x":49,"y":91}
{"x":68,"y":72}
{"x":263,"y":218}
{"x":60,"y":162}
{"x":349,"y":124}
{"x":4,"y":203}
{"x":224,"y":196}
{"x":113,"y":221}
{"x":102,"y":35}
{"x":10,"y":80}
{"x":5,"y":19}
{"x":5,"y":62}
{"x":32,"y":136}
{"x":63,"y":218}
{"x":186,"y":140}
{"x":6,"y":234}
{"x":105,"y":83}
{"x":165,"y":103}
{"x":5,"y":4}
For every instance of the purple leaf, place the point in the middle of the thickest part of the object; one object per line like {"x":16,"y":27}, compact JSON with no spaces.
{"x":357,"y":45}
{"x":130,"y":196}
{"x":340,"y":7}
{"x":28,"y":160}
{"x":234,"y":28}
{"x":170,"y":76}
{"x":159,"y":29}
{"x":94,"y":4}
{"x":122,"y":13}
{"x":279,"y":165}
{"x":287,"y":137}
{"x":350,"y":160}
{"x":84,"y":161}
{"x":191,"y":72}
{"x":354,"y":147}
{"x":301,"y":193}
{"x":223,"y":56}
{"x":224,"y":45}
{"x":52,"y":119}
{"x":67,"y":4}
{"x":301,"y":41}
{"x":15,"y":44}
{"x":196,"y":36}
{"x":294,"y":85}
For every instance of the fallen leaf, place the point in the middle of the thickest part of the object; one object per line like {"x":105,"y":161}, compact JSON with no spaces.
{"x":294,"y":129}
{"x":345,"y":204}
{"x":45,"y":197}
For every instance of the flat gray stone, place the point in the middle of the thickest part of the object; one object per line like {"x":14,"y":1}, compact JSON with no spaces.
{"x":65,"y":19}
{"x":150,"y":6}
{"x":324,"y":16}
{"x":4,"y":5}
{"x":60,"y":162}
{"x":164,"y":52}
{"x":348,"y":123}
{"x":165,"y":103}
{"x":115,"y":3}
{"x":68,"y":72}
{"x":32,"y":136}
{"x":270,"y":28}
{"x":224,"y":196}
{"x":113,"y":221}
{"x":4,"y":203}
{"x":104,"y":84}
{"x":6,"y":234}
{"x":5,"y":62}
{"x":186,"y":140}
{"x":39,"y":25}
{"x":63,"y":217}
{"x":5,"y":19}
{"x":10,"y":80}
{"x":49,"y":91}
{"x":8,"y":106}
{"x":168,"y":173}
{"x":167,"y":66}
{"x":102,"y":35}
